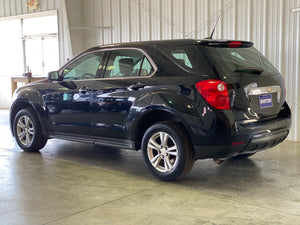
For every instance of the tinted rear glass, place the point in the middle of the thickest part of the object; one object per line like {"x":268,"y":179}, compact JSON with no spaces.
{"x":189,"y":58}
{"x":237,"y":61}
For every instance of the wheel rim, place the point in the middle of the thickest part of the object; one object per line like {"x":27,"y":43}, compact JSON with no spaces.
{"x":162,"y":152}
{"x":25,"y":130}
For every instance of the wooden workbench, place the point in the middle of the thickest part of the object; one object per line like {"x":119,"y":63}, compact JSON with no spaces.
{"x":25,"y":80}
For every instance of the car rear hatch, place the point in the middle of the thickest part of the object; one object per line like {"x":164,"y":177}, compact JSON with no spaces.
{"x":255,"y":87}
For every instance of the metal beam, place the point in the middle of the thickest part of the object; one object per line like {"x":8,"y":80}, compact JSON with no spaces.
{"x":90,"y":28}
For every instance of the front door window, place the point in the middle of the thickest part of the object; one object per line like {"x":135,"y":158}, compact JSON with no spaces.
{"x":84,"y":68}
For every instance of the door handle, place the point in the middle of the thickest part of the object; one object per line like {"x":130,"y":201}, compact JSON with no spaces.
{"x":84,"y":90}
{"x":136,"y":86}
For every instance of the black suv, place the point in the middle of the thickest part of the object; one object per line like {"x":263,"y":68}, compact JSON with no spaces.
{"x":177,"y":100}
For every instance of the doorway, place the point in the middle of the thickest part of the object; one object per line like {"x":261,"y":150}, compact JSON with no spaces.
{"x":29,"y":44}
{"x":40,"y":43}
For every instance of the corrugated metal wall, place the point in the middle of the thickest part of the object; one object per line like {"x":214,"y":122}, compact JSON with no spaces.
{"x":10,"y":8}
{"x":270,"y":24}
{"x":18,"y":7}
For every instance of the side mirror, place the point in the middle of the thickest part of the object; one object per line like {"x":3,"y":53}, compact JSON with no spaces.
{"x":53,"y":75}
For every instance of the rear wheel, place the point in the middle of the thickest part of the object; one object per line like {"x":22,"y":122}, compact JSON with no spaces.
{"x":167,"y":151}
{"x":28,"y":132}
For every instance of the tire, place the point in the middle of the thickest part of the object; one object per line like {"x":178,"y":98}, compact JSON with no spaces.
{"x":171,"y":159}
{"x":27,"y":131}
{"x":243,"y":156}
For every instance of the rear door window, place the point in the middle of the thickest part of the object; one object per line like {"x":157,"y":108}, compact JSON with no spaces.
{"x":146,"y":67}
{"x":127,"y":63}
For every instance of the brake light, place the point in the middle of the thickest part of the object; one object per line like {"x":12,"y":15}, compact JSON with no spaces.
{"x":215,"y":93}
{"x":238,"y":143}
{"x":234,"y":44}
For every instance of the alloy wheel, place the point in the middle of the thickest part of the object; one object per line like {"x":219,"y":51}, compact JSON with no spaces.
{"x":162,"y":152}
{"x":25,"y":130}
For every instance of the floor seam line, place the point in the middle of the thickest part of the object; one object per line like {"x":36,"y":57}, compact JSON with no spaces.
{"x":248,"y":203}
{"x":105,"y":203}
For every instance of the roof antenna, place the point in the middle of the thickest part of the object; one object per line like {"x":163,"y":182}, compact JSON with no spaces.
{"x":213,"y":31}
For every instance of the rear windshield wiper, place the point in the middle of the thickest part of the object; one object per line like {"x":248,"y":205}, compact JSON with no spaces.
{"x":249,"y":70}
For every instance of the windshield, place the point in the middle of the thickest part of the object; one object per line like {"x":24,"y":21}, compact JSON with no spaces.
{"x":237,"y":61}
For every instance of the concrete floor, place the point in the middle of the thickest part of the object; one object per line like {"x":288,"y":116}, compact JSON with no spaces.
{"x":73,"y":183}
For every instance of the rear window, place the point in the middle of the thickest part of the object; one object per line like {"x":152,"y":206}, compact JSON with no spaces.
{"x":239,"y":61}
{"x":188,"y":58}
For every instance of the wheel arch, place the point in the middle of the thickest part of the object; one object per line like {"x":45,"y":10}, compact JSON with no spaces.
{"x":147,"y":119}
{"x":20,"y":104}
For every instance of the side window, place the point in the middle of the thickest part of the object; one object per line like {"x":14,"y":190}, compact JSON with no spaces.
{"x":147,"y":68}
{"x":189,"y":58}
{"x":127,"y":63}
{"x":182,"y":57}
{"x":84,"y":68}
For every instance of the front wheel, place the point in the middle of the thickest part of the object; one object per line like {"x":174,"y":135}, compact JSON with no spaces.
{"x":167,"y":151}
{"x":28,"y":132}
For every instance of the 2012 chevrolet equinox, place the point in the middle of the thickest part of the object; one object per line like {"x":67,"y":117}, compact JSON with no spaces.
{"x":176,"y":100}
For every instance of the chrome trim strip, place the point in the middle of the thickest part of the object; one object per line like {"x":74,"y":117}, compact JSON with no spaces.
{"x":264,"y":90}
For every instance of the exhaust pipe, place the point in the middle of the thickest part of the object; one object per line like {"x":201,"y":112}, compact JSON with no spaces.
{"x":218,"y":161}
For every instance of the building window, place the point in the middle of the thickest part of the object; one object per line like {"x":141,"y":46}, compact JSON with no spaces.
{"x":29,"y":45}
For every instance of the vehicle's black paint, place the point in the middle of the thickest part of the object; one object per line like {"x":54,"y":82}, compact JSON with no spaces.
{"x":118,"y":111}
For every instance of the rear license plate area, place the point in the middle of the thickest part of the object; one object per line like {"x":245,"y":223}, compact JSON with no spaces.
{"x":265,"y":101}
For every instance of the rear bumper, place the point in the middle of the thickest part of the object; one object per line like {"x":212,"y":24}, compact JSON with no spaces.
{"x":248,"y":138}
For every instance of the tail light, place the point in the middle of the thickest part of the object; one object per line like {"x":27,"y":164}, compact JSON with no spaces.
{"x":234,"y":44}
{"x":215,"y":93}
